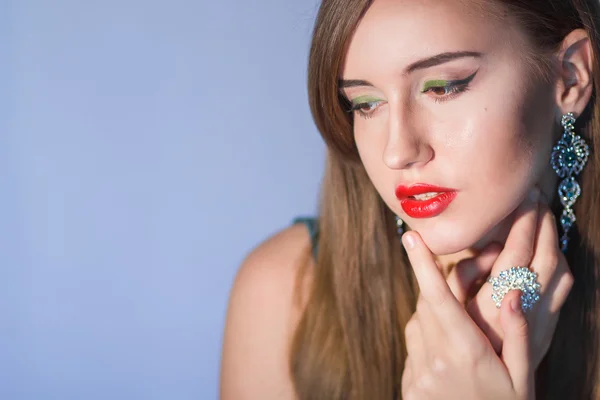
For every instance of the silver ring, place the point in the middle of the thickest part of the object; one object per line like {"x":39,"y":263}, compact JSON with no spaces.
{"x":521,"y":278}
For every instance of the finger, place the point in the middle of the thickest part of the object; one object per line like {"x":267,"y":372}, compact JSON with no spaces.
{"x":449,"y":313}
{"x":466,"y":273}
{"x":548,"y":261}
{"x":431,"y":331}
{"x":560,"y":290}
{"x":545,"y":316}
{"x":515,"y":349}
{"x":518,"y":249}
{"x":556,"y":280}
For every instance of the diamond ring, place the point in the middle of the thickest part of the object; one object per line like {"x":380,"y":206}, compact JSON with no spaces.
{"x":521,"y":278}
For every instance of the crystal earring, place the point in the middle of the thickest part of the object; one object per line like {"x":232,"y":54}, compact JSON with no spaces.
{"x":399,"y":225}
{"x":568,"y":159}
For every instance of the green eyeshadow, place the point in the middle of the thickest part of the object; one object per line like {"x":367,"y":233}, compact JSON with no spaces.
{"x":364,"y":99}
{"x":435,"y":83}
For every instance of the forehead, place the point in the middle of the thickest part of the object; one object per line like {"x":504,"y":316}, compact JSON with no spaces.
{"x":397,"y":32}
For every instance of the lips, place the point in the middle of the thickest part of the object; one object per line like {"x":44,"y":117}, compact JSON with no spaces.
{"x":424,"y":201}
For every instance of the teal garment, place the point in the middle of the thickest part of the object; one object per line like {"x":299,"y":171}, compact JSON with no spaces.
{"x":312,"y":224}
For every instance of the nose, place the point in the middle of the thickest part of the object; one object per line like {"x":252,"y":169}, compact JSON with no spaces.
{"x":406,"y":145}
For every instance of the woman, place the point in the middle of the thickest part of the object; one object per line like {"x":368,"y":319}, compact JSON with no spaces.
{"x":442,"y":118}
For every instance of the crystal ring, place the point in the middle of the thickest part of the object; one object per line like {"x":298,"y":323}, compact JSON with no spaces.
{"x":521,"y":278}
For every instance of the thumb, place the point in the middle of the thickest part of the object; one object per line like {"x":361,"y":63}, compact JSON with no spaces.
{"x":515,"y":349}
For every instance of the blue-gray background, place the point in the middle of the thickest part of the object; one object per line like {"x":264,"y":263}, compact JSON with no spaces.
{"x":145,"y":148}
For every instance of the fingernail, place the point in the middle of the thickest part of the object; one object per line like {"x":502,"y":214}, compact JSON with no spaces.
{"x":515,"y":304}
{"x":534,"y":194}
{"x":409,"y":241}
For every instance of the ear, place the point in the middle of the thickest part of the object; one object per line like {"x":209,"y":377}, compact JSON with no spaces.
{"x":575,"y":79}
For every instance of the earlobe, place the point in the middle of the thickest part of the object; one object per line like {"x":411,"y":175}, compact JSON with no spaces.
{"x":575,"y":78}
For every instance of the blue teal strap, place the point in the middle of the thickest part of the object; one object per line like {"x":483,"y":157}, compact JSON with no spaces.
{"x":312,"y":225}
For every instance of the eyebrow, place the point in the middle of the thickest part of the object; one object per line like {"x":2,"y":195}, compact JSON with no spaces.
{"x":421,"y":64}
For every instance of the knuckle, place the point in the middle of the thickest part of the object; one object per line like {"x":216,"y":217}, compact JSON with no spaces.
{"x":565,"y":285}
{"x":522,"y":329}
{"x":477,"y":352}
{"x":411,"y":331}
{"x":438,"y":365}
{"x":406,"y":378}
{"x":425,"y":381}
{"x":552,"y":259}
{"x":471,"y":362}
{"x":471,"y":354}
{"x":410,"y":392}
{"x":569,"y":280}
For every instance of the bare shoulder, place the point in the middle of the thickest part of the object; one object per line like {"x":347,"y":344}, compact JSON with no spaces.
{"x":262,"y":316}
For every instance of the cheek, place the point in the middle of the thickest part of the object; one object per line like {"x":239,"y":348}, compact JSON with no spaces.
{"x":371,"y":140}
{"x":514,"y":150}
{"x":496,"y":156}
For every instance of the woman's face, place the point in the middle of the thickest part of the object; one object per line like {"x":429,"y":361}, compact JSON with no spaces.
{"x":478,"y":123}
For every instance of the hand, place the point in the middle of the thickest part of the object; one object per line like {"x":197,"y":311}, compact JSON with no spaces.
{"x":449,"y":357}
{"x":532,"y":241}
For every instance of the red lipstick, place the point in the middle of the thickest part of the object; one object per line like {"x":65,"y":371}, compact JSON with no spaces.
{"x":424,"y":207}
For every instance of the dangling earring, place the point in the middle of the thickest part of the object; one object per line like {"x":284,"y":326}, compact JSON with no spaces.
{"x":568,"y":159}
{"x":399,"y":225}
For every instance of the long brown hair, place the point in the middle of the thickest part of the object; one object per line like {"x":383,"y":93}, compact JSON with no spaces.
{"x":349,"y":343}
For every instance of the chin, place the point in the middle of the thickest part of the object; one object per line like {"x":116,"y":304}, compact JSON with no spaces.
{"x":449,"y":241}
{"x":449,"y":237}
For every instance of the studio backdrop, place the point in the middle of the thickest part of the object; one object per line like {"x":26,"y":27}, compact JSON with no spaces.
{"x":145,"y":148}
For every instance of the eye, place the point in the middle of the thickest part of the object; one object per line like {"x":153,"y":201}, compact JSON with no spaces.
{"x":365,"y":109}
{"x":445,"y":93}
{"x":447,"y":90}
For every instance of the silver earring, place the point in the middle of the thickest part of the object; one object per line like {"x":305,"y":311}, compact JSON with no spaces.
{"x":399,"y":225}
{"x":568,"y":159}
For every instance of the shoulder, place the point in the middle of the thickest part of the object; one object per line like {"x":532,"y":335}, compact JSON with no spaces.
{"x":262,"y":316}
{"x":273,"y":266}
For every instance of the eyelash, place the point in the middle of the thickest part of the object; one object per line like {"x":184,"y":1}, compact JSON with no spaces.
{"x":454,"y":89}
{"x":357,"y":108}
